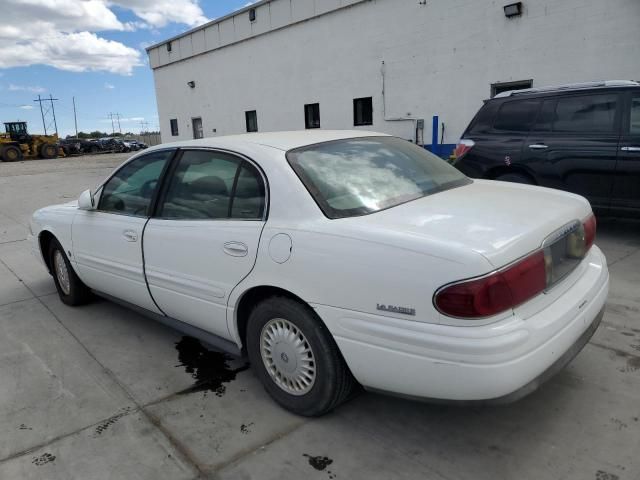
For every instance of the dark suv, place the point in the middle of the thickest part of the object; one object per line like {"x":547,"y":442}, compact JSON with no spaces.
{"x":583,"y":138}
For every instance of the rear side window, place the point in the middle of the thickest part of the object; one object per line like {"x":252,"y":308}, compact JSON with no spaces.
{"x":634,"y":121}
{"x":202,"y":188}
{"x":484,"y":119}
{"x":586,"y":114}
{"x":516,"y":116}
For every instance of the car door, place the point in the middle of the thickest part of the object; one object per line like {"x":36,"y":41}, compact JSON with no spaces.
{"x":203,"y":239}
{"x":107,"y":242}
{"x":625,"y":197}
{"x":574,"y":145}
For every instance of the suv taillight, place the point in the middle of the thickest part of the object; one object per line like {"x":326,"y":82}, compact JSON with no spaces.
{"x":463,"y":148}
{"x":515,"y":284}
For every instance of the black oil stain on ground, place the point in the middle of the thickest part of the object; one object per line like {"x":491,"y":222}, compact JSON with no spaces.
{"x":319,"y":462}
{"x":602,"y":475}
{"x":633,"y":365}
{"x":24,"y":427}
{"x":43,"y":459}
{"x":100,"y":429}
{"x":209,"y":368}
{"x":246,"y":429}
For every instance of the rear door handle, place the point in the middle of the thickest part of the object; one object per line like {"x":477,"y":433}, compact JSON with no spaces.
{"x":538,"y":146}
{"x":630,"y":149}
{"x":130,"y":236}
{"x":236,"y":249}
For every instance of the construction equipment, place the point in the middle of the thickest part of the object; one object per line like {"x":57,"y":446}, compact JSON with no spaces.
{"x":16,"y":144}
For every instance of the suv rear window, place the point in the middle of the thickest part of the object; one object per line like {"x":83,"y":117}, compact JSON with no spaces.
{"x":357,"y":176}
{"x":516,"y":116}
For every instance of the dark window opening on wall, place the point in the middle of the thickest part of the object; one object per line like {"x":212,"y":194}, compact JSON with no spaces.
{"x":497,"y":88}
{"x":251,"y":118}
{"x":363,"y":111}
{"x":168,"y":46}
{"x":252,"y":15}
{"x":174,"y":127}
{"x":312,"y":115}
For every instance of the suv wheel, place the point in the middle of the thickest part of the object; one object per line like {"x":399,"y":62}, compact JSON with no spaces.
{"x":515,"y":178}
{"x":296,"y":358}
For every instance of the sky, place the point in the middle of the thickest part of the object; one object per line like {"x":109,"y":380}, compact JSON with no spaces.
{"x":93,"y":50}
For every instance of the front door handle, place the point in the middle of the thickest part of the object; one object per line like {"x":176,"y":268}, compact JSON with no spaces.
{"x":538,"y":146}
{"x":630,"y":149}
{"x":130,"y":236}
{"x":236,"y":249}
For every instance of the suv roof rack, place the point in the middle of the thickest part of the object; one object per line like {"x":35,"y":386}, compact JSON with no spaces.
{"x":571,"y":86}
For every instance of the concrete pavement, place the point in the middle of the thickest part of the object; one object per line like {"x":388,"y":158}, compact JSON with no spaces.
{"x":98,"y":392}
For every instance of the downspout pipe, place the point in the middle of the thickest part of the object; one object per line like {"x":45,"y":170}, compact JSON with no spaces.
{"x":383,"y":70}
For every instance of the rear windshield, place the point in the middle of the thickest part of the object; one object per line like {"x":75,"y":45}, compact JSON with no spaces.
{"x":357,"y":176}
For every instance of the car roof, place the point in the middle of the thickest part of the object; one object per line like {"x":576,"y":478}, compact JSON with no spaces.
{"x":569,"y":87}
{"x":280,"y":140}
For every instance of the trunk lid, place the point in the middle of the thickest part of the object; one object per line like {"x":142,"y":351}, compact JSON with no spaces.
{"x":498,"y":220}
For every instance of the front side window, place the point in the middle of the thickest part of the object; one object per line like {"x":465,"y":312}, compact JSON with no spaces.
{"x":516,"y":116}
{"x":358,"y":176}
{"x":213,"y":185}
{"x":131,"y":189}
{"x":174,"y":127}
{"x":585,"y":114}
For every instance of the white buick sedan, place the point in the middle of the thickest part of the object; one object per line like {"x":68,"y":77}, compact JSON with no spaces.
{"x":337,"y":258}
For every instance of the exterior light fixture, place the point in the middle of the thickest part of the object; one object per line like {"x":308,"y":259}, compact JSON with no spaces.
{"x":513,"y":10}
{"x":192,"y":84}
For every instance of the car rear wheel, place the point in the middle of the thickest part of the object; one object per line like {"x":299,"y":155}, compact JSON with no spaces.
{"x":296,"y":358}
{"x":10,"y":153}
{"x":515,"y":178}
{"x":70,"y":288}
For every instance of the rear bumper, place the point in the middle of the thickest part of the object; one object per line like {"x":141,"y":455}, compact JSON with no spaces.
{"x":502,"y":361}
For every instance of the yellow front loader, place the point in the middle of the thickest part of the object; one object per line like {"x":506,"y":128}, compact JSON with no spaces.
{"x":17,"y":144}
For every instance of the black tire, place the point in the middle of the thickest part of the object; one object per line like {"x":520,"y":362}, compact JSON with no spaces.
{"x":515,"y":178}
{"x":10,"y":153}
{"x":48,"y":150}
{"x":78,"y":293}
{"x":333,"y":381}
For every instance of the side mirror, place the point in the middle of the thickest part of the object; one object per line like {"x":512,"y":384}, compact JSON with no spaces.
{"x":85,"y":201}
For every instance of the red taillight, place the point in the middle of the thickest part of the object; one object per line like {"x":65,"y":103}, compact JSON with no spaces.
{"x":589,"y":231}
{"x":496,"y":292}
{"x":463,"y":148}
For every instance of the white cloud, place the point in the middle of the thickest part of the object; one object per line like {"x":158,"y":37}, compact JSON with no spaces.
{"x":63,"y":33}
{"x":25,"y":88}
{"x":26,"y":107}
{"x":109,"y":86}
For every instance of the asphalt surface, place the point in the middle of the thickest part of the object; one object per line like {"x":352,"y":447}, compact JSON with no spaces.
{"x":100,"y":392}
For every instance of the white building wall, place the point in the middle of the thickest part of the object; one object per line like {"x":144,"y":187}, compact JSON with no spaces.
{"x":440,"y":59}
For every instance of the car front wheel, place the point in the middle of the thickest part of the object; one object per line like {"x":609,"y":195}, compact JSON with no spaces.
{"x":70,"y":288}
{"x":296,"y":358}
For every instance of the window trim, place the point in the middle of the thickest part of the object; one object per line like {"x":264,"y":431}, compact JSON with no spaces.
{"x":355,"y":124}
{"x":175,"y":161}
{"x":151,"y":209}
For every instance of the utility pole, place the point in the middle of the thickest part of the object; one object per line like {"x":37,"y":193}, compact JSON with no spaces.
{"x":75,"y":118}
{"x":46,"y":111}
{"x":119,"y":127}
{"x":113,"y":128}
{"x":143,"y":126}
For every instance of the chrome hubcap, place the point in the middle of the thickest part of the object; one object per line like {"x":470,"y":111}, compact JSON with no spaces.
{"x":287,"y":356}
{"x":61,"y":272}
